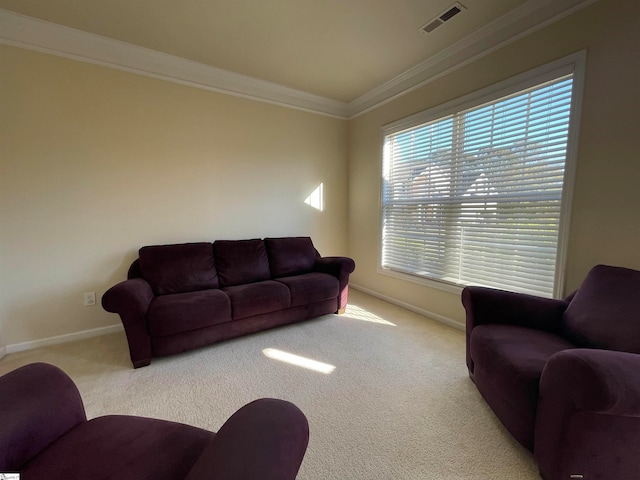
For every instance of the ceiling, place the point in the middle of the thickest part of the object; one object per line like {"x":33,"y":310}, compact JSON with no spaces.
{"x":336,"y":49}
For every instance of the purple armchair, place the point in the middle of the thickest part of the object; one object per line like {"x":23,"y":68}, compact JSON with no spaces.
{"x":563,"y":376}
{"x":44,"y":434}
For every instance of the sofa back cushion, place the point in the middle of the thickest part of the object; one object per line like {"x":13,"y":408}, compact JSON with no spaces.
{"x":290,"y":255}
{"x":605,"y":311}
{"x":179,"y":268}
{"x":241,"y":261}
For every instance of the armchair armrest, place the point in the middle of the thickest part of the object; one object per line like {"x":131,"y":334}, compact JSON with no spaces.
{"x":588,"y":419}
{"x":488,"y":305}
{"x":341,"y":268}
{"x":599,"y":381}
{"x":38,"y":404}
{"x":130,"y":299}
{"x":265,"y":439}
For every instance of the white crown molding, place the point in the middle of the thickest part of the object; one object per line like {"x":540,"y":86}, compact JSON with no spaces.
{"x":34,"y":34}
{"x":518,"y":23}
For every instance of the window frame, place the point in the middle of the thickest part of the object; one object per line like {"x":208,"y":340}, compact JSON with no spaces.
{"x":571,"y":64}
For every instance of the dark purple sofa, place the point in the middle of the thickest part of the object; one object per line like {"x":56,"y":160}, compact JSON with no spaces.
{"x":563,"y":376}
{"x":45,"y":435}
{"x":180,"y":297}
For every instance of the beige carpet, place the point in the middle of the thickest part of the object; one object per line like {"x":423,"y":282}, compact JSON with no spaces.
{"x":397,"y":405}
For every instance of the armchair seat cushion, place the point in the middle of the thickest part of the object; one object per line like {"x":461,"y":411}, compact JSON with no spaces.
{"x":311,"y":288}
{"x":515,"y":357}
{"x":137,"y":448}
{"x":171,"y":314}
{"x":257,"y":298}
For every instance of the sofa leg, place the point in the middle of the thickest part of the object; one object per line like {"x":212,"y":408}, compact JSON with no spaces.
{"x":141,"y":363}
{"x":341,"y":310}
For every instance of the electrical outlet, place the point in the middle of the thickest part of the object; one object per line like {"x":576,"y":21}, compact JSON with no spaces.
{"x":89,"y":299}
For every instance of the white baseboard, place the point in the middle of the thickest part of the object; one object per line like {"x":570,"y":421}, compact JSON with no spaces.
{"x":58,"y":339}
{"x":439,"y":318}
{"x":3,"y":351}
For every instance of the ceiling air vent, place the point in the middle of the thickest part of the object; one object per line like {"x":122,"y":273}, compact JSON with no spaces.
{"x":447,"y":15}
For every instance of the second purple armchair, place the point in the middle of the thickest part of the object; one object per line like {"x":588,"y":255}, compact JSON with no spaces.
{"x":563,"y":376}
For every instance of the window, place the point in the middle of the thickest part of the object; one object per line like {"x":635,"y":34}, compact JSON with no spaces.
{"x":476,"y":191}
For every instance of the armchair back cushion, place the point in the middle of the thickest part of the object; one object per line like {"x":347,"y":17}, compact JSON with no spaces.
{"x":605,"y":312}
{"x":38,"y":405}
{"x":241,"y":261}
{"x":290,"y":256}
{"x":178,"y":268}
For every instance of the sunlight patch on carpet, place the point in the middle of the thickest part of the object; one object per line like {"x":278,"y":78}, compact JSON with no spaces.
{"x":298,"y":361}
{"x":362,"y":314}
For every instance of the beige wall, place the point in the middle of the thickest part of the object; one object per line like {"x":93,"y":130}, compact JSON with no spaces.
{"x":97,"y":162}
{"x":605,"y":226}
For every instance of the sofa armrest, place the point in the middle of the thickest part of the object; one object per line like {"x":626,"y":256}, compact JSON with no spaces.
{"x":588,"y":419}
{"x":265,"y":439}
{"x":38,"y":404}
{"x":130,"y":299}
{"x":335,"y":265}
{"x":341,"y":268}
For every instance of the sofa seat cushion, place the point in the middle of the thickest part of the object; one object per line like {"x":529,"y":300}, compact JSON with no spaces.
{"x":257,"y":298}
{"x":241,"y":261}
{"x":509,"y":361}
{"x":178,"y":268}
{"x":605,"y":312}
{"x":311,"y":288}
{"x":183,"y":312}
{"x":290,"y":255}
{"x":121,"y":448}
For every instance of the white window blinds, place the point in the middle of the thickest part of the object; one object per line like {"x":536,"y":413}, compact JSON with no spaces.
{"x":475,"y":197}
